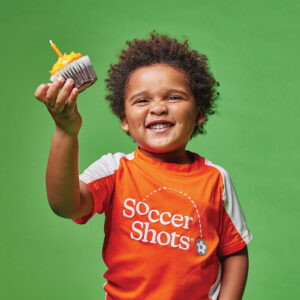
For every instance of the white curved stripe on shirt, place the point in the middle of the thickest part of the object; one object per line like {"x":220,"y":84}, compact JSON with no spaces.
{"x":232,"y":205}
{"x":104,"y":166}
{"x":215,"y":288}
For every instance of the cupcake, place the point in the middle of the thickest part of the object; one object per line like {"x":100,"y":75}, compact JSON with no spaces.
{"x":74,"y":66}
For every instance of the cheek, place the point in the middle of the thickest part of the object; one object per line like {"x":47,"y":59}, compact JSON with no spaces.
{"x":134,"y":118}
{"x":187,"y":116}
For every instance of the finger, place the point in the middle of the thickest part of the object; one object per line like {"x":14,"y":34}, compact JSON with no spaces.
{"x":71,"y":101}
{"x":41,"y":92}
{"x":53,"y":91}
{"x":64,"y":95}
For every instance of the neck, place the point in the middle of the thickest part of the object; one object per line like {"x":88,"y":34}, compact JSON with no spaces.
{"x":177,"y":157}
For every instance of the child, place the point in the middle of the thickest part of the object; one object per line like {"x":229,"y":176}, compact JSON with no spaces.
{"x":174,"y":228}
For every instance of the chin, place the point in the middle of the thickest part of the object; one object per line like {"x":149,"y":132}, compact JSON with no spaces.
{"x":159,"y":148}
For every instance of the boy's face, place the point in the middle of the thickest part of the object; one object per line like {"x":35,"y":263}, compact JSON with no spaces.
{"x":160,"y":109}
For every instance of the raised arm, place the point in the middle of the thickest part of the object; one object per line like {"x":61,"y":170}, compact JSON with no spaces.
{"x":67,"y":196}
{"x":234,"y":275}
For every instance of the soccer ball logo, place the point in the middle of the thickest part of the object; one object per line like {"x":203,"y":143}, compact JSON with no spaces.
{"x":201,"y":247}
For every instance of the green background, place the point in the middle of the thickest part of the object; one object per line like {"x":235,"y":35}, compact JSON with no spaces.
{"x":253,"y":47}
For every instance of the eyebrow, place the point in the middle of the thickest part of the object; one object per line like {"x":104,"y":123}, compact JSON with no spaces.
{"x":178,"y":91}
{"x":168,"y":91}
{"x":137,"y":95}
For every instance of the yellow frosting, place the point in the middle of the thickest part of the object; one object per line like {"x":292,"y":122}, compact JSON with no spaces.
{"x":64,"y":60}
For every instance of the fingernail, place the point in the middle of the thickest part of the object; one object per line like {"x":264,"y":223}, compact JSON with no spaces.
{"x":75,"y":90}
{"x":69,"y":81}
{"x":61,"y":79}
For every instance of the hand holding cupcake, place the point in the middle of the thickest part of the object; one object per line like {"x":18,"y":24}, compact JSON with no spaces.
{"x":60,"y":98}
{"x":70,"y":75}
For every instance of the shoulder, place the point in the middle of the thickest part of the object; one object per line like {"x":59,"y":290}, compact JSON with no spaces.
{"x":105,"y":166}
{"x":222,"y":176}
{"x":112,"y":161}
{"x":228,"y":190}
{"x":217,"y":169}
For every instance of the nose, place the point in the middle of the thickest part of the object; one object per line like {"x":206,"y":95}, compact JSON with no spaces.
{"x":158,"y":108}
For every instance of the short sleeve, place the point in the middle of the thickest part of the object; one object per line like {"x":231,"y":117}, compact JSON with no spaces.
{"x":101,"y":191}
{"x":233,"y":232}
{"x":100,"y":179}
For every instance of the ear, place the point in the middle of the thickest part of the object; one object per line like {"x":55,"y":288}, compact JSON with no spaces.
{"x":124,"y":123}
{"x":200,"y":117}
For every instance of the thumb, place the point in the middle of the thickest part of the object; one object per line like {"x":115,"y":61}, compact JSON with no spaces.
{"x":41,"y":92}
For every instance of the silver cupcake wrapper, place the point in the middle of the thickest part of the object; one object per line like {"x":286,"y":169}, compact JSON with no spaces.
{"x":80,"y":70}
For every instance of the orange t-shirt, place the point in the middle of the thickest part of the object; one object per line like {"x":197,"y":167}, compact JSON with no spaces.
{"x":166,"y":225}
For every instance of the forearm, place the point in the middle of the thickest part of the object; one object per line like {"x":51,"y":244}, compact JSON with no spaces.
{"x":62,"y":174}
{"x":234,"y":275}
{"x":67,"y":196}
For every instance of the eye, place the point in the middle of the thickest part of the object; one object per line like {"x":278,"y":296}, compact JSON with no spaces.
{"x":140,"y":101}
{"x":174,"y":97}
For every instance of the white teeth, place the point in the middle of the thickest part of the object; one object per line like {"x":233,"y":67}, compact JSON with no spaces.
{"x":160,"y":126}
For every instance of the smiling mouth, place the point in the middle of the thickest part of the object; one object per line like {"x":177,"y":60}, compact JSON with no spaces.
{"x":160,"y":126}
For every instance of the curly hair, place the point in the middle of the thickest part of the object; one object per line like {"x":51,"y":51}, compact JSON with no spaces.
{"x":161,"y":48}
